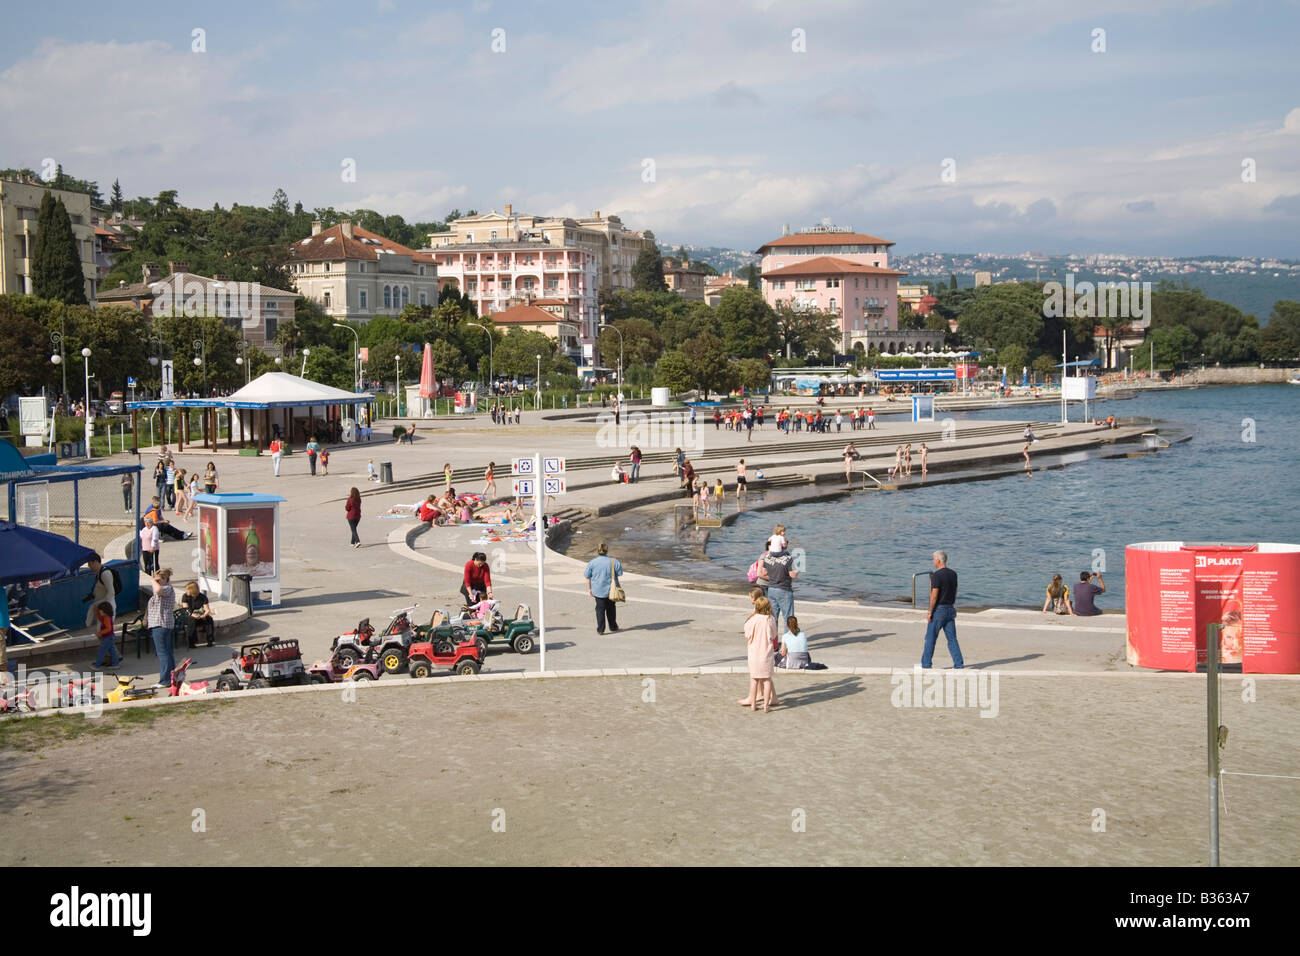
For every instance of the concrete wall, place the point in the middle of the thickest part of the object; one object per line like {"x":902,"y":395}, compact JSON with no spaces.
{"x":1250,"y":375}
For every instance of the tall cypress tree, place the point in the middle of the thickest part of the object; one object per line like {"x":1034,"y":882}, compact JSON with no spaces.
{"x":56,"y":263}
{"x":648,"y":271}
{"x":116,"y":199}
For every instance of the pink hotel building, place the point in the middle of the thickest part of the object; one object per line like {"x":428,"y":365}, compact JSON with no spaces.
{"x":837,"y":271}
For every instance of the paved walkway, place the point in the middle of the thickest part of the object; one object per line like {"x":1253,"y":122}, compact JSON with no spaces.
{"x":658,"y":770}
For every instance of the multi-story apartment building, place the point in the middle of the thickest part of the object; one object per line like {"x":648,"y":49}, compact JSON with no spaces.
{"x":216,"y":295}
{"x":715,"y":285}
{"x":587,"y":255}
{"x":497,"y":275}
{"x":835,"y":270}
{"x":113,"y":236}
{"x":20,"y":204}
{"x":356,"y":275}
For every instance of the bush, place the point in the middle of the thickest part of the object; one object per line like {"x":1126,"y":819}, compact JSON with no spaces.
{"x":398,"y":432}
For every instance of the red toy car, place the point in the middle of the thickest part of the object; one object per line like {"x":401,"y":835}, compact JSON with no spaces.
{"x":462,"y":655}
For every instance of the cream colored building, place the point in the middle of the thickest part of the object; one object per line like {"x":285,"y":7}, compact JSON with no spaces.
{"x":685,"y":279}
{"x":20,"y":204}
{"x":356,"y":275}
{"x":614,"y":245}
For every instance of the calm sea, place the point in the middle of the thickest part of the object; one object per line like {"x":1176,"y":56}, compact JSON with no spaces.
{"x":1007,"y":536}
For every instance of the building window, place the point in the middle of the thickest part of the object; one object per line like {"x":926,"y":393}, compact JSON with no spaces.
{"x":421,"y":270}
{"x":361,"y":267}
{"x":832,"y":305}
{"x":832,"y":283}
{"x":493,"y":236}
{"x":326,"y":267}
{"x":424,"y":299}
{"x":469,"y":237}
{"x":326,"y":300}
{"x":361,"y":299}
{"x":272,"y":326}
{"x":805,"y":284}
{"x":406,"y":296}
{"x":388,"y":297}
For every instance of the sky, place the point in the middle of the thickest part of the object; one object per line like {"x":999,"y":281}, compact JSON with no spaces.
{"x":950,"y":126}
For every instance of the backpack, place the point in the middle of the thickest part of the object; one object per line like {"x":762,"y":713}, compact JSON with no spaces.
{"x":753,"y":571}
{"x":117,"y":581}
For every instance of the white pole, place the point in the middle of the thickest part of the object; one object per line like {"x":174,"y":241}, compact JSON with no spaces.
{"x":1064,"y":415}
{"x":541,"y":549}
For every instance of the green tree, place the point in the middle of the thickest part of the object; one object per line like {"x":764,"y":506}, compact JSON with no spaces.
{"x":749,"y":326}
{"x":448,"y":362}
{"x":709,"y":365}
{"x":516,"y":355}
{"x":1280,"y":339}
{"x":328,"y":366}
{"x":648,"y":271}
{"x":802,"y":331}
{"x":642,"y":343}
{"x":753,"y":374}
{"x":673,"y":372}
{"x":56,"y":264}
{"x":116,"y":196}
{"x":1044,"y":365}
{"x":24,"y":361}
{"x":752,"y":274}
{"x":1013,"y":357}
{"x":1174,"y":346}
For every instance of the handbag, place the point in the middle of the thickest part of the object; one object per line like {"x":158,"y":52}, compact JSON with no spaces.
{"x":616,"y":593}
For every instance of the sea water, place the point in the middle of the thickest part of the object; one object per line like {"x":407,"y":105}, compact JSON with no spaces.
{"x":1236,"y":480}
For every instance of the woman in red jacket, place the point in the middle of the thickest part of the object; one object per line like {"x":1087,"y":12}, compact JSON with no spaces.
{"x":353,"y":511}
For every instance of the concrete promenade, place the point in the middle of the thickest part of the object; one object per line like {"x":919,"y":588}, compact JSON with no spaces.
{"x":631,"y":766}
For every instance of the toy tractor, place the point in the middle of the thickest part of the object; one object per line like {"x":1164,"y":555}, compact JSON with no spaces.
{"x":266,"y":664}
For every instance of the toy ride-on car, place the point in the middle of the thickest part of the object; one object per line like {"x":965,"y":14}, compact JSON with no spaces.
{"x":388,"y":648}
{"x":488,"y":623}
{"x":333,"y":671}
{"x":448,"y":647}
{"x":266,"y":664}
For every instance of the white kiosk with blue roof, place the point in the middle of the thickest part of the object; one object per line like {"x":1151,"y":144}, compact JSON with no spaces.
{"x":239,"y":534}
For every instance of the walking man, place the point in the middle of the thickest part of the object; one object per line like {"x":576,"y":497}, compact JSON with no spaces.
{"x":277,"y":453}
{"x":602,"y":574}
{"x":312,"y":449}
{"x":942,"y":615}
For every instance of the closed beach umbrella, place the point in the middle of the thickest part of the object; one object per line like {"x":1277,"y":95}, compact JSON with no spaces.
{"x":29,"y":554}
{"x":428,"y":384}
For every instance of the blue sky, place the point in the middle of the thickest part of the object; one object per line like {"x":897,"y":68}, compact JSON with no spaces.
{"x":1055,"y":147}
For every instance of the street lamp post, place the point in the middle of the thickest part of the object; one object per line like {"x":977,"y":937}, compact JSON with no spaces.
{"x":620,"y":361}
{"x":539,"y":382}
{"x":85,"y":354}
{"x":243,"y":360}
{"x":398,"y":388}
{"x":305,"y":353}
{"x":56,"y":339}
{"x":356,"y":356}
{"x":201,"y":360}
{"x":491,"y":378}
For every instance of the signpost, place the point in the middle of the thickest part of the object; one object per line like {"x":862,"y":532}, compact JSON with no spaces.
{"x":524,"y":482}
{"x":167,"y":391}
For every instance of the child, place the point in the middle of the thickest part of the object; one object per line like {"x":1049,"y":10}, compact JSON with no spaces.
{"x":324,"y":461}
{"x":720,"y":494}
{"x":705,"y":497}
{"x":794,"y":646}
{"x":104,"y":615}
{"x":371,"y":474}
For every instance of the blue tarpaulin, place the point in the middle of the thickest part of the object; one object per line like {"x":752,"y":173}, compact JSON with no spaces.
{"x":29,"y":554}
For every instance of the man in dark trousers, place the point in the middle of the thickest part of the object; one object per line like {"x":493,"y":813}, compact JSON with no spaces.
{"x":942,"y":615}
{"x":602,"y":574}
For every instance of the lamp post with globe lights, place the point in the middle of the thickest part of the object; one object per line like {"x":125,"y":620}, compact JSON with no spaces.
{"x":56,"y":340}
{"x":201,"y":360}
{"x":356,"y":355}
{"x":85,"y":355}
{"x":305,"y":353}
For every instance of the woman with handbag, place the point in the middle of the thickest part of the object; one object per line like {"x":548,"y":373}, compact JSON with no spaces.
{"x":602,"y":575}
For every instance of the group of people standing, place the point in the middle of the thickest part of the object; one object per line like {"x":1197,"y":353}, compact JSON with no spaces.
{"x":817,"y":422}
{"x":501,"y":413}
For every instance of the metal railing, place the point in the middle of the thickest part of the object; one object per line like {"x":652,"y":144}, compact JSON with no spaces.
{"x":914,"y":577}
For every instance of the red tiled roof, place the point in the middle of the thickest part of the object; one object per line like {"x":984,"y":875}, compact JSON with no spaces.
{"x":529,"y":314}
{"x":549,"y":302}
{"x":826,"y":239}
{"x":332,"y":244}
{"x":830,"y":266}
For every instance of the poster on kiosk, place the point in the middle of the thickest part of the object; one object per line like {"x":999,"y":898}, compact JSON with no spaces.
{"x":238,"y":534}
{"x":1174,"y":591}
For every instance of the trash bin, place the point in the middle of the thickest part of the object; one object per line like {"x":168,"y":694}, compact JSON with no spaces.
{"x":241,"y":591}
{"x":385,"y":472}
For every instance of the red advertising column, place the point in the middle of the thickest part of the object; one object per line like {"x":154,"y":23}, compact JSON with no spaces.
{"x":1175,"y":591}
{"x":1160,"y":605}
